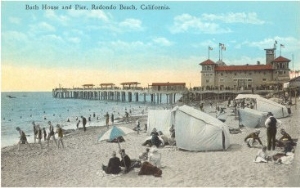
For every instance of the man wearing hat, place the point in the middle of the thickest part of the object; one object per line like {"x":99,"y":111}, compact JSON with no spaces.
{"x":271,"y":123}
{"x":252,"y":138}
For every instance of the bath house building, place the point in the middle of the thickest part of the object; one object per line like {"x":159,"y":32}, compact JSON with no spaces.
{"x":272,"y":74}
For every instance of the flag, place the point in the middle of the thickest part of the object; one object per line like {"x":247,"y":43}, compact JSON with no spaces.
{"x":224,"y":48}
{"x":281,"y":45}
{"x":220,"y":44}
{"x":210,"y":48}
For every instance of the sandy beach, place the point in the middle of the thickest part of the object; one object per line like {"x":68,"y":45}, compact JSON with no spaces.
{"x":79,"y":163}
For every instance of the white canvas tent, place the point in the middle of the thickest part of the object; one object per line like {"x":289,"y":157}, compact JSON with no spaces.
{"x":252,"y":118}
{"x":198,"y":131}
{"x":265,"y":105}
{"x":159,"y":119}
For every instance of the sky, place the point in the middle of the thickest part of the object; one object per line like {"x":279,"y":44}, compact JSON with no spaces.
{"x":105,"y":43}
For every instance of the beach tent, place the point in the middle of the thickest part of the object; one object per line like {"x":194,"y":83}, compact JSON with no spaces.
{"x":197,"y":131}
{"x":159,"y":119}
{"x":265,"y":105}
{"x":252,"y":118}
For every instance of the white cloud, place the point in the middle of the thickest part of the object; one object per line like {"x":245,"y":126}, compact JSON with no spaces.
{"x":122,"y":45}
{"x":290,"y":43}
{"x":74,"y":40}
{"x":134,"y":24}
{"x":14,"y":20}
{"x":186,"y":22}
{"x":52,"y":15}
{"x":240,"y":17}
{"x":13,"y":36}
{"x":41,"y":27}
{"x":162,"y":41}
{"x":98,"y":14}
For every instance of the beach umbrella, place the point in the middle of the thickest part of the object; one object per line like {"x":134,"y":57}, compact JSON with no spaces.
{"x":115,"y":132}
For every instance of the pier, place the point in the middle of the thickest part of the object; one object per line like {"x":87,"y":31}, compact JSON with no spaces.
{"x":130,"y":92}
{"x":154,"y":93}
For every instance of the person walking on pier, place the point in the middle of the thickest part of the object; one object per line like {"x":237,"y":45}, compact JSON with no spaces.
{"x":83,"y":123}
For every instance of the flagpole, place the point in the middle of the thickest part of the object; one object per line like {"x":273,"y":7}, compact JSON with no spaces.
{"x":208,"y":51}
{"x":222,"y":52}
{"x":219,"y":51}
{"x":280,"y":50}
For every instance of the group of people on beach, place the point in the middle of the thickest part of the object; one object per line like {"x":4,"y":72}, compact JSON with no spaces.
{"x":148,"y":162}
{"x":41,"y":133}
{"x":285,"y":141}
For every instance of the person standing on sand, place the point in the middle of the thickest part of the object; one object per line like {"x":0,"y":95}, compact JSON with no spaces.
{"x":112,"y":118}
{"x":34,"y":132}
{"x":59,"y":132}
{"x":77,"y":125}
{"x":45,"y":134}
{"x":271,"y":123}
{"x":83,"y":123}
{"x":51,"y":133}
{"x":23,"y":139}
{"x":107,"y":120}
{"x":39,"y":135}
{"x":126,"y":116}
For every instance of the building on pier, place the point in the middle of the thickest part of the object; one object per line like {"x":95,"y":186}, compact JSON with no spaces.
{"x":130,"y":85}
{"x":88,"y":86}
{"x":108,"y":86}
{"x":167,"y":86}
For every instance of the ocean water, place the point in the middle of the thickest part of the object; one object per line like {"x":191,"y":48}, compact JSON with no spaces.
{"x":22,"y":108}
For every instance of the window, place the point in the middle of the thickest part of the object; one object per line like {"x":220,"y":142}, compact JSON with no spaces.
{"x":250,"y":80}
{"x":207,"y":81}
{"x":221,"y":79}
{"x":264,"y":79}
{"x":235,"y":80}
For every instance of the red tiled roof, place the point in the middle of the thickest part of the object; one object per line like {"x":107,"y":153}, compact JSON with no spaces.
{"x":207,"y":62}
{"x":243,"y":67}
{"x":167,"y":84}
{"x":281,"y":59}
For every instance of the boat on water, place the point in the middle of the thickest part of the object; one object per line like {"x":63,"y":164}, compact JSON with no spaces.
{"x":10,"y":96}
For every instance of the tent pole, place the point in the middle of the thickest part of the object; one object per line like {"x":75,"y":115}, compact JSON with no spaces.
{"x":122,"y":155}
